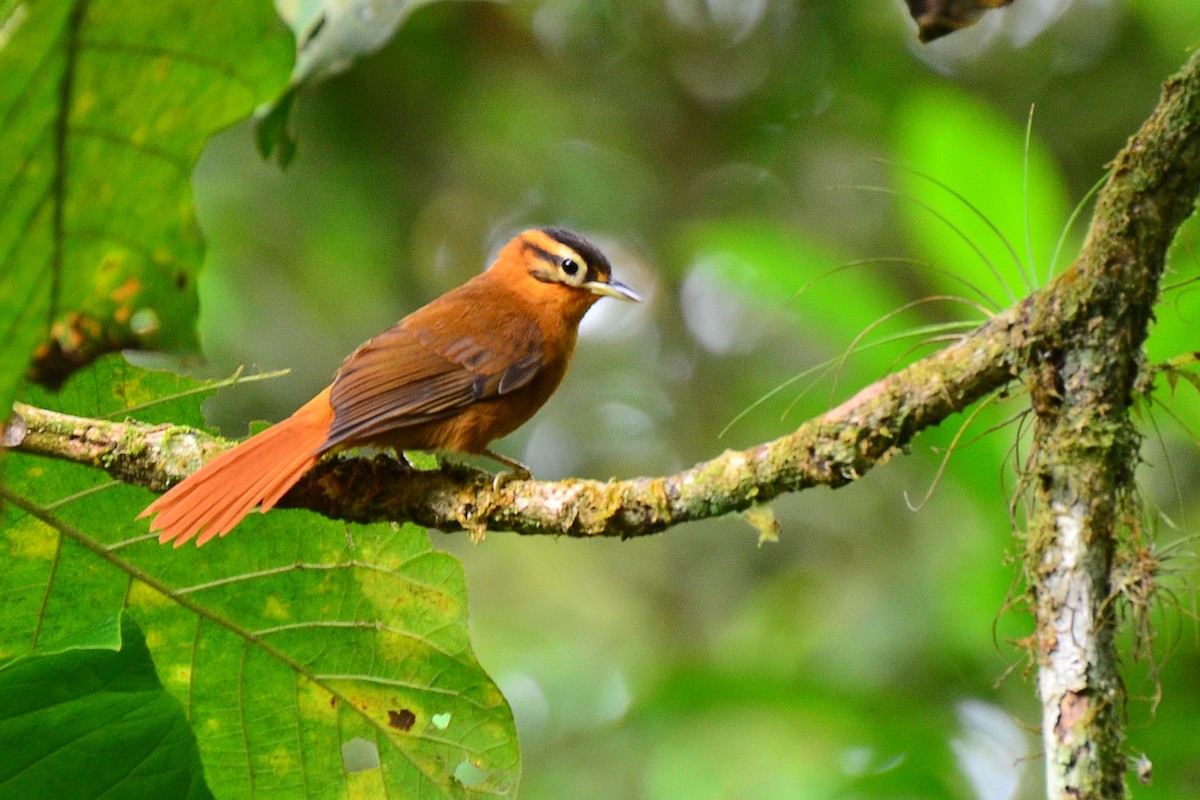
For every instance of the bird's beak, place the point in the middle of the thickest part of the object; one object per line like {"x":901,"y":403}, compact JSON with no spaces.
{"x":613,"y":288}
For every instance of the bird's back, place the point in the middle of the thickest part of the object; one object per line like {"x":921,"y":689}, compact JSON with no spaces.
{"x":467,"y":369}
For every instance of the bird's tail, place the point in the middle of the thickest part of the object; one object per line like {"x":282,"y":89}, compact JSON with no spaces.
{"x":259,"y":471}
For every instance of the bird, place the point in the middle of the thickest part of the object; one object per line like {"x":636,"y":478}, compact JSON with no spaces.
{"x":455,"y":375}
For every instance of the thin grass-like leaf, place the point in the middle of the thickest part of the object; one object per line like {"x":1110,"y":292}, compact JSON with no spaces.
{"x":1012,"y":298}
{"x":975,"y":211}
{"x":894,"y":313}
{"x":1070,"y":223}
{"x":1031,"y":277}
{"x":922,"y":266}
{"x":937,"y":478}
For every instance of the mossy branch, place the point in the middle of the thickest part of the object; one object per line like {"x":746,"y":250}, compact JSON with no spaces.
{"x":831,"y":450}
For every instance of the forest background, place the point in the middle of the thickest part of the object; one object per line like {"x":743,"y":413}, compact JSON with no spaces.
{"x":730,"y":157}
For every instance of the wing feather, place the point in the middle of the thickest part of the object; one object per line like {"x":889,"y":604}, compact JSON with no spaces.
{"x":418,"y":371}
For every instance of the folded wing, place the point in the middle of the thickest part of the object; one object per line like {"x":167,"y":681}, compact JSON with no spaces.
{"x":412,"y":374}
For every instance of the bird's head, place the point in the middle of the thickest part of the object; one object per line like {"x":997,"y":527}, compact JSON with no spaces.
{"x":559,"y":268}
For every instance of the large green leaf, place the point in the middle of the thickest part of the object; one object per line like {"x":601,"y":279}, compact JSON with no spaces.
{"x":105,"y":106}
{"x":313,"y":657}
{"x":87,"y":719}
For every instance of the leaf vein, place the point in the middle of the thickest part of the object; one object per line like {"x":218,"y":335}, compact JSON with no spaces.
{"x":195,"y":59}
{"x":180,"y":165}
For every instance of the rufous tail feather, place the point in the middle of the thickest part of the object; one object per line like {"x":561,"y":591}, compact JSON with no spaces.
{"x":258,"y":472}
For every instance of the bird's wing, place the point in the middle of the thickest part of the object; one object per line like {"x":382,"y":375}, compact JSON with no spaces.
{"x":427,"y":367}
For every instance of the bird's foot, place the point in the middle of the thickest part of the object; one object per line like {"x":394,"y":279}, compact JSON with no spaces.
{"x":517,"y":471}
{"x":502,"y":479}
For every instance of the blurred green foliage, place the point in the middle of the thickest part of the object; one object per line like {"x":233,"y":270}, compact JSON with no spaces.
{"x":730,"y":157}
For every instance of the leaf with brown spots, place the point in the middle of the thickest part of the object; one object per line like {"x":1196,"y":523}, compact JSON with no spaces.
{"x":297,"y":653}
{"x":105,"y":107}
{"x":401,"y":720}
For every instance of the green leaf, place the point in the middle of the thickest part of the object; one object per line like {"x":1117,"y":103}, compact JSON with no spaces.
{"x":105,"y":107}
{"x":104,"y":635}
{"x":272,"y":131}
{"x":305,"y":650}
{"x":948,"y":142}
{"x":94,"y":721}
{"x":1176,"y":316}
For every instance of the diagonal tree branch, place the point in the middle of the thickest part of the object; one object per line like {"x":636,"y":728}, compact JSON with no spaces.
{"x":831,"y":450}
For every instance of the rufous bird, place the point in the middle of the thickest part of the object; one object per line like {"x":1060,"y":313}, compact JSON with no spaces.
{"x":469,"y":368}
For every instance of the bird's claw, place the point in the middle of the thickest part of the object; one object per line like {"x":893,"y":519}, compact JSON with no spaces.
{"x":517,"y":470}
{"x":501,"y":479}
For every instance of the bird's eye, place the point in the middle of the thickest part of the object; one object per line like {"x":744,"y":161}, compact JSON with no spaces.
{"x":570,"y":266}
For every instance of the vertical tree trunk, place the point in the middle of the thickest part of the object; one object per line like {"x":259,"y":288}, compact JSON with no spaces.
{"x":1080,"y":469}
{"x":1081,"y":383}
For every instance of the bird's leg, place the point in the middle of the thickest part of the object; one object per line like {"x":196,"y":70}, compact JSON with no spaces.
{"x":519,"y":471}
